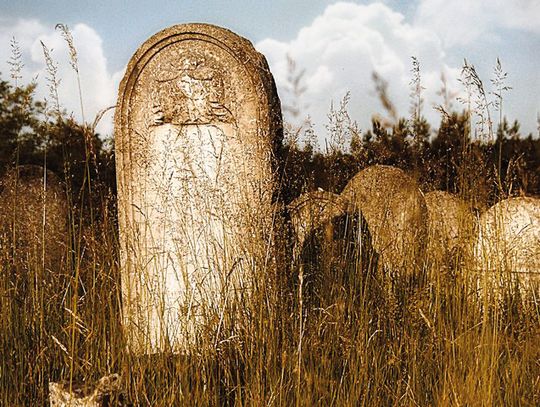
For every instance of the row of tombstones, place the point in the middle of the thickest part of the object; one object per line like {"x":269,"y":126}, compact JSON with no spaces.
{"x":411,"y":230}
{"x":408,"y":229}
{"x":407,"y":226}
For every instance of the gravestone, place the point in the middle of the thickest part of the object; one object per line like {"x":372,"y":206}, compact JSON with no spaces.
{"x":33,"y":218}
{"x":508,"y":242}
{"x":33,"y":250}
{"x":197,"y":126}
{"x":332,"y":246}
{"x":396,"y":215}
{"x":451,"y":228}
{"x":314,"y":210}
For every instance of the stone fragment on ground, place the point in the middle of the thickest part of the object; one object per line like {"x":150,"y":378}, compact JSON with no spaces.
{"x":99,"y":394}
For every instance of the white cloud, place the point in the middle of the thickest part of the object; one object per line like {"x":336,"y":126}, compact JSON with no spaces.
{"x":341,"y":48}
{"x":99,"y":86}
{"x":460,"y":22}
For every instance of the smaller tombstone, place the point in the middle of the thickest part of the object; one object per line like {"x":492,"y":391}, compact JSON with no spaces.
{"x":508,"y":242}
{"x":33,"y":217}
{"x":314,"y":210}
{"x":331,"y":242}
{"x":451,"y":228}
{"x":396,"y":214}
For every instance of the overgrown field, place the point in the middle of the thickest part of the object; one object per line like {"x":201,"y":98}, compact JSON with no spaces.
{"x":333,"y":328}
{"x":339,"y":333}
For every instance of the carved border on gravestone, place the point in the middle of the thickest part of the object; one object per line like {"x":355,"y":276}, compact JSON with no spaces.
{"x":193,"y":88}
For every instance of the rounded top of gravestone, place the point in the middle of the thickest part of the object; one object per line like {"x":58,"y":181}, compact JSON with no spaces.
{"x":509,"y":236}
{"x":396,"y":214}
{"x":451,"y":225}
{"x":31,"y":178}
{"x":29,"y":173}
{"x":26,"y":188}
{"x":199,"y":72}
{"x":379,"y":180}
{"x":313,"y":209}
{"x":323,"y":201}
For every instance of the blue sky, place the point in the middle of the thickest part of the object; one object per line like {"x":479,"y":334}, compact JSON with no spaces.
{"x":339,"y":44}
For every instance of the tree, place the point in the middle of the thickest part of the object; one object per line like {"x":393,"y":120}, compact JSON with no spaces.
{"x":20,"y":123}
{"x":30,"y":134}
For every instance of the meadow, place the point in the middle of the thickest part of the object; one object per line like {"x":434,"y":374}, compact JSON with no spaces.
{"x":332,"y":329}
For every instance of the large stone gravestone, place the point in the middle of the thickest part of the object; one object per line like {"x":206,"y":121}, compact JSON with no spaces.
{"x":33,"y":218}
{"x":451,"y":229}
{"x":508,"y":243}
{"x":396,"y":214}
{"x":197,"y":125}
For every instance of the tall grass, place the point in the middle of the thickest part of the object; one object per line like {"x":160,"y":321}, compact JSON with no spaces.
{"x":344,"y":334}
{"x":329,"y":329}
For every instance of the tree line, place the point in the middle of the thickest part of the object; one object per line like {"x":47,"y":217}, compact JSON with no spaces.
{"x":445,"y":158}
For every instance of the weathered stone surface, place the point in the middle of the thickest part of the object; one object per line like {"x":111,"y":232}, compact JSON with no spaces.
{"x":33,"y":218}
{"x":451,"y":228}
{"x":313,"y":210}
{"x":396,"y":214}
{"x":96,"y":395}
{"x":197,"y":125}
{"x":331,"y":243}
{"x":509,"y":238}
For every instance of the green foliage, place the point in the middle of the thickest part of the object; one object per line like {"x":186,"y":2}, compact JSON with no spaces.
{"x":32,"y":134}
{"x":21,"y":138}
{"x":447,"y":160}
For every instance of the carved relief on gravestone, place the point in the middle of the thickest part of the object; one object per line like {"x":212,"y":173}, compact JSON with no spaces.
{"x":508,"y":242}
{"x":451,"y":228}
{"x":396,"y":214}
{"x":197,"y":125}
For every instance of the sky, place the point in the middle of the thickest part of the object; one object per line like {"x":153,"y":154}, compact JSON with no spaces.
{"x":337,"y":44}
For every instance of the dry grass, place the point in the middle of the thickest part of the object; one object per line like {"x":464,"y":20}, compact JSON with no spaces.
{"x":332,"y":329}
{"x":347,"y":334}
